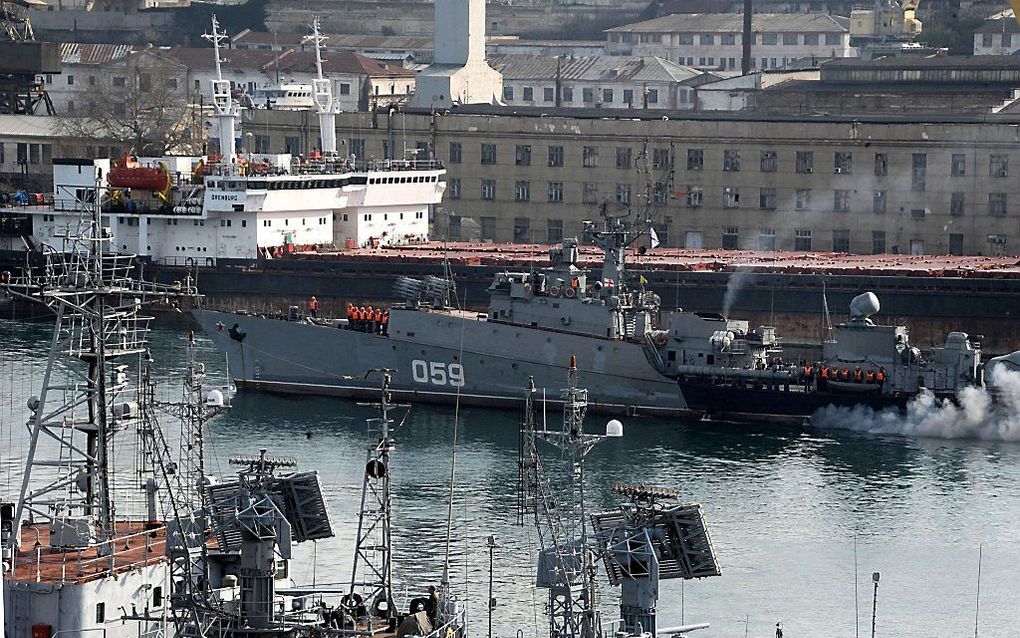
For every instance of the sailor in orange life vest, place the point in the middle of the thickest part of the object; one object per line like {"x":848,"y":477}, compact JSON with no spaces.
{"x":350,"y":315}
{"x":313,"y":306}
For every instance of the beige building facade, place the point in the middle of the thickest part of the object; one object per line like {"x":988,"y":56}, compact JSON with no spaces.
{"x":887,"y":184}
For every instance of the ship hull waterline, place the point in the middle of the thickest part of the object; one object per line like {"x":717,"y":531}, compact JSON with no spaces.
{"x":438,"y":358}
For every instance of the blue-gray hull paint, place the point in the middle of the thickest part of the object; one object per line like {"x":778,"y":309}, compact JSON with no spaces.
{"x":301,"y":358}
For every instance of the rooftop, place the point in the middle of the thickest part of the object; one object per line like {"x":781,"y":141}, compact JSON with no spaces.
{"x":232,"y":59}
{"x":1000,"y":23}
{"x":294,"y":61}
{"x":598,"y":68}
{"x":76,"y":53}
{"x":928,"y":62}
{"x":734,"y":23}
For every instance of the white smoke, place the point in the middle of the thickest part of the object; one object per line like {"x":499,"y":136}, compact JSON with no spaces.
{"x":739,"y":279}
{"x":975,"y":414}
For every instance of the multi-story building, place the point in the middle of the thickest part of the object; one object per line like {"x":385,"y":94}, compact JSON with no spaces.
{"x":862,"y":184}
{"x":998,"y":35}
{"x":714,"y":40}
{"x":607,"y":82}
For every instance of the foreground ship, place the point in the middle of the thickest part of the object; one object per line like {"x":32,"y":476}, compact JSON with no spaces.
{"x":441,"y":354}
{"x":863,"y":364}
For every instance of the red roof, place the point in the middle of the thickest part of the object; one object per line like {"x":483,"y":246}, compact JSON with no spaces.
{"x":351,"y":63}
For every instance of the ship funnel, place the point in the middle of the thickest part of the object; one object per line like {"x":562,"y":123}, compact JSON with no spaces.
{"x":864,"y":305}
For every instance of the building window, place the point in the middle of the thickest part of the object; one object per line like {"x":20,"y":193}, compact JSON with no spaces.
{"x":986,"y":39}
{"x":695,"y":159}
{"x":489,"y":189}
{"x":841,"y":200}
{"x":918,"y":213}
{"x":554,"y":231}
{"x":522,"y":230}
{"x":568,"y":94}
{"x":877,"y":242}
{"x":728,"y":38}
{"x":956,"y":204}
{"x":555,"y":156}
{"x":119,"y":81}
{"x":628,"y":97}
{"x":802,"y":199}
{"x":487,"y":228}
{"x":770,"y":38}
{"x":802,"y":239}
{"x":959,"y":165}
{"x":731,"y":161}
{"x":841,"y":240}
{"x":345,"y":88}
{"x":810,"y":38}
{"x":623,"y":157}
{"x":548,"y":94}
{"x":522,"y":191}
{"x":588,"y":95}
{"x":731,"y":238}
{"x":508,"y":93}
{"x":769,"y":161}
{"x":652,"y":96}
{"x":357,"y":147}
{"x":997,"y":203}
{"x":456,"y":152}
{"x":556,"y":192}
{"x":454,"y":188}
{"x":607,"y":96}
{"x":661,"y":158}
{"x":623,"y":194}
{"x":694,"y":197}
{"x":686,"y":38}
{"x":843,"y":163}
{"x":766,"y":239}
{"x":790,"y":39}
{"x":833,"y":39}
{"x":590,"y":156}
{"x":731,"y":197}
{"x":529,"y":94}
{"x":454,"y":228}
{"x":878,"y":203}
{"x":590,"y":194}
{"x":707,"y":38}
{"x":955,"y":244}
{"x":34,"y":154}
{"x":100,"y":613}
{"x":767,"y":198}
{"x":919,"y":171}
{"x":488,"y":153}
{"x":522,"y":156}
{"x":998,"y":165}
{"x":881,"y":164}
{"x":805,"y":161}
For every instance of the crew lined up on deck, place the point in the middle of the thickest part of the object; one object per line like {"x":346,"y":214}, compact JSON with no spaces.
{"x":844,"y":375}
{"x":368,"y":319}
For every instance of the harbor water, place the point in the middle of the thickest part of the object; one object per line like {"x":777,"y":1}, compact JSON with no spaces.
{"x":800,"y":517}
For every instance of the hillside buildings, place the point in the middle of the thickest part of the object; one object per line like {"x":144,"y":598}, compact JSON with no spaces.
{"x":714,"y":40}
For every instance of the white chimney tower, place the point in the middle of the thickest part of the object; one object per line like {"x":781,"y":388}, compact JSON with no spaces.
{"x":459,"y":73}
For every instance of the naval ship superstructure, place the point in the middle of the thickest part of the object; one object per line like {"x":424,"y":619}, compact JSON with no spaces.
{"x":440,"y":353}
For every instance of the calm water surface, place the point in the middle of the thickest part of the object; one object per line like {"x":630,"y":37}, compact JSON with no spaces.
{"x":785,"y":507}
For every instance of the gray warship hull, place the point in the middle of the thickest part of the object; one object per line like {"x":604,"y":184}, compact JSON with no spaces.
{"x":438,"y":357}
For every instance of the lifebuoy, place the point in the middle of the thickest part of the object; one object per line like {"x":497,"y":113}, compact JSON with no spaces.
{"x":569,"y":293}
{"x":660,"y":338}
{"x":554,"y":291}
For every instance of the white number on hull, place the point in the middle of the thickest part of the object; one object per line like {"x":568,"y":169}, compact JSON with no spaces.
{"x":437,"y":373}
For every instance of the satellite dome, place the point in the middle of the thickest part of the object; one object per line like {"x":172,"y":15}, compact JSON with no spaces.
{"x":214,"y":399}
{"x":864,"y":305}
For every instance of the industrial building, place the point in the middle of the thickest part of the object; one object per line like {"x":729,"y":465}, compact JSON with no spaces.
{"x":869,"y":184}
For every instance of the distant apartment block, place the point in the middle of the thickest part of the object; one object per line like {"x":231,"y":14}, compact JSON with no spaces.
{"x":715,"y":40}
{"x":606,"y":82}
{"x":998,"y":35}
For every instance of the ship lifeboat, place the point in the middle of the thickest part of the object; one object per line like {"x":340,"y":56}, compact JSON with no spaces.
{"x":130,"y":174}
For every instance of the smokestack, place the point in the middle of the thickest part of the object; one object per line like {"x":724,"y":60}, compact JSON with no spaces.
{"x":745,"y":58}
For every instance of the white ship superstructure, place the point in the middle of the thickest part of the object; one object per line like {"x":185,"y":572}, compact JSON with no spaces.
{"x":244,"y":205}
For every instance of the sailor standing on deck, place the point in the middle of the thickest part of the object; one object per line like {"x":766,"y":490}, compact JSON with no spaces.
{"x":313,"y":306}
{"x":432,"y":605}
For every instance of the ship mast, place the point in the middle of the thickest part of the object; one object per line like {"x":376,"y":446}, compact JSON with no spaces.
{"x":227,"y":110}
{"x":322,"y":93}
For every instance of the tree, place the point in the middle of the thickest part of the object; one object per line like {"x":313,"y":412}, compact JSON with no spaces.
{"x":142,"y":101}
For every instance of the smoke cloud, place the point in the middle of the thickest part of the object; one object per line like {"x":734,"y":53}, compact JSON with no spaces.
{"x":975,"y":414}
{"x":739,"y":279}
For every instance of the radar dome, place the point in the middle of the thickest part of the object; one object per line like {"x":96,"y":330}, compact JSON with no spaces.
{"x":214,"y":399}
{"x":864,"y":305}
{"x":614,"y":429}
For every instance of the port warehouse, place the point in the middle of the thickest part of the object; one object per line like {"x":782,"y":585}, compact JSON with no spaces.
{"x":861,"y":184}
{"x":934,"y":295}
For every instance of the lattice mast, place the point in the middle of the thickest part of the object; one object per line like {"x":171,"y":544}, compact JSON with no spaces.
{"x":95,"y":384}
{"x":372,"y":574}
{"x":566,"y":565}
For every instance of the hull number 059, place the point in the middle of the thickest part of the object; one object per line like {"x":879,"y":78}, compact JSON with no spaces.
{"x":437,"y":373}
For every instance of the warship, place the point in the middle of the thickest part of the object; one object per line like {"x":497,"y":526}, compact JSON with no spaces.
{"x":728,"y":371}
{"x":441,"y":353}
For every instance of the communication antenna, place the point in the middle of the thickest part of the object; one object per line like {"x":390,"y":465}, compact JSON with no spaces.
{"x":227,"y":110}
{"x":322,"y":94}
